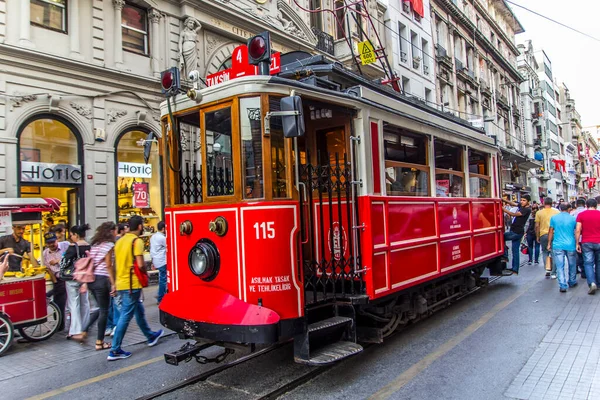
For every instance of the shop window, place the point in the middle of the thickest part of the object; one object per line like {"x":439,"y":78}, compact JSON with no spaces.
{"x":479,"y":177}
{"x":134,"y":27}
{"x":278,"y":153}
{"x":139,"y":184}
{"x":406,"y":167}
{"x":251,"y":135}
{"x":49,"y":14}
{"x":449,"y":175}
{"x":219,"y":152}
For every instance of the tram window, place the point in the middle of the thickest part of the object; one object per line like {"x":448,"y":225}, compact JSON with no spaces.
{"x":251,"y":136}
{"x":449,"y":175}
{"x":217,"y":127}
{"x":278,"y":153}
{"x":406,"y":181}
{"x":191,"y":159}
{"x":479,"y":179}
{"x":403,"y":146}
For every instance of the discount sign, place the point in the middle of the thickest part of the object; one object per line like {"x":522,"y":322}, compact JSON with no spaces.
{"x":141,"y":197}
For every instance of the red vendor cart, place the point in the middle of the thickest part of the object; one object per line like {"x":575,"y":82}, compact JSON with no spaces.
{"x":23,"y":302}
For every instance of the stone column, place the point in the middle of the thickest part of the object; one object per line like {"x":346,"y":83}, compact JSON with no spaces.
{"x":74,"y":29}
{"x":155,"y":36}
{"x":118,"y":34}
{"x":25,"y":22}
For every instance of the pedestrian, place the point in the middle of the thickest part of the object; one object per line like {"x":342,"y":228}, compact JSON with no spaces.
{"x":517,"y":230}
{"x":51,"y":257}
{"x":158,"y":252}
{"x":561,"y":241}
{"x":77,"y":296}
{"x":588,"y":230}
{"x":115,"y":301}
{"x":542,"y":226}
{"x":18,"y":248}
{"x":532,"y":243}
{"x":103,"y":286}
{"x":561,"y":201}
{"x":130,"y":249}
{"x":579,"y":207}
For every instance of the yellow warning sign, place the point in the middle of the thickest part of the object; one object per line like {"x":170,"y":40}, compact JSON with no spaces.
{"x":367,"y":52}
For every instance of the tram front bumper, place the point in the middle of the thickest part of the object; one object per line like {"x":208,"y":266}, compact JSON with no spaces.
{"x":211,"y":313}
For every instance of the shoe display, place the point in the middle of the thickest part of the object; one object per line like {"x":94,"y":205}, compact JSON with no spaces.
{"x":118,"y":355}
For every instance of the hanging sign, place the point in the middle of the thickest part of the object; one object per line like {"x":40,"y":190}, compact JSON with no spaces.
{"x":141,"y":196}
{"x":366,"y":52}
{"x":5,"y":219}
{"x":39,"y":172}
{"x":240,"y":66}
{"x":134,"y":170}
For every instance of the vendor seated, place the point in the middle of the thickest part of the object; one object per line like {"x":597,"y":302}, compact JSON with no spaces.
{"x":18,"y":248}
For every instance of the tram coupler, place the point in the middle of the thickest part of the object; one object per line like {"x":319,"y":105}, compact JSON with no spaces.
{"x":186,"y":352}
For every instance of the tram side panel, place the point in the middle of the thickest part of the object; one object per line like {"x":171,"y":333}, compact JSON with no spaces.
{"x":408,"y":241}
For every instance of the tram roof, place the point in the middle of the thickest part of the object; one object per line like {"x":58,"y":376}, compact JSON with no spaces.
{"x":332,"y":82}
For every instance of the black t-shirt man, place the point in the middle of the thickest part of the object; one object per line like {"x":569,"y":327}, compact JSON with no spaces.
{"x":518,"y":225}
{"x":18,"y":246}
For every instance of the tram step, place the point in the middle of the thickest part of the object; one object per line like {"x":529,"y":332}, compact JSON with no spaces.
{"x":329,"y":323}
{"x":332,"y":353}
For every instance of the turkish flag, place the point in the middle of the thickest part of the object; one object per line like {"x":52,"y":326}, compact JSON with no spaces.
{"x":417,"y":5}
{"x":591,"y":182}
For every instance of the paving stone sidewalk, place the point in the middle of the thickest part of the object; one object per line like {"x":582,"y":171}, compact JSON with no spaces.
{"x":565,"y":364}
{"x":24,"y":358}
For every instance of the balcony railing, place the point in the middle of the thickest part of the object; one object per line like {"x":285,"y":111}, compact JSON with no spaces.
{"x":324,"y":42}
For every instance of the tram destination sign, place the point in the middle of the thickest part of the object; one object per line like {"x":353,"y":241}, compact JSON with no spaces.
{"x":39,"y":172}
{"x":240,"y":66}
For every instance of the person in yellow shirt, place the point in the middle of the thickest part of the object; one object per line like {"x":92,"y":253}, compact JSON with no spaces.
{"x":542,"y":227}
{"x":130,"y":249}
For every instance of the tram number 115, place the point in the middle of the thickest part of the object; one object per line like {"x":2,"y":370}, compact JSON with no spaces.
{"x":265,"y":230}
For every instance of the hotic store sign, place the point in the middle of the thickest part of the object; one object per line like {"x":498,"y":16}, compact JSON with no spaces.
{"x":39,"y":172}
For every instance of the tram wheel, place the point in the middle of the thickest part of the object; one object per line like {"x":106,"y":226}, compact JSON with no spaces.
{"x":45,"y":330}
{"x":6,"y":333}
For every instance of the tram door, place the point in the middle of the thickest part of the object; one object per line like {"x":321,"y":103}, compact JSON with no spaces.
{"x":327,"y":207}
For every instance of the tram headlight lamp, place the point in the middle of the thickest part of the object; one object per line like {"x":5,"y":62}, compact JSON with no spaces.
{"x":204,"y":260}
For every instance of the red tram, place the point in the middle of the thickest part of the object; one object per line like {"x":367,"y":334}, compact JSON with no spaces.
{"x":320,"y":206}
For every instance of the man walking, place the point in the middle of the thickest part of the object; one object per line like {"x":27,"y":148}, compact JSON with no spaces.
{"x":130,"y":249}
{"x":588,"y":230}
{"x":532,"y":243}
{"x":561,"y":241}
{"x":542,"y":226}
{"x":580,"y":207}
{"x":517,"y":230}
{"x":158,"y":252}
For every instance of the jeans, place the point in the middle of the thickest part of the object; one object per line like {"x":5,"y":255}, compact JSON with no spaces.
{"x":131,"y":306}
{"x":114,"y":311}
{"x":162,"y":282}
{"x":515,"y":239}
{"x":100,"y":288}
{"x":533,"y":245}
{"x":59,"y":291}
{"x":591,"y":262}
{"x":79,"y":305}
{"x":559,"y":261}
{"x":545,"y":252}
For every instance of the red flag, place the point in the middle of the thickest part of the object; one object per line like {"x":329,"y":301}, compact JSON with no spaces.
{"x":417,"y":5}
{"x":591,"y":182}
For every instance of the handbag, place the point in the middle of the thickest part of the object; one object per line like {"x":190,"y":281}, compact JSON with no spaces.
{"x":524,"y":246}
{"x":139,"y":271}
{"x":549,"y":263}
{"x":84,"y":268}
{"x":67,"y":267}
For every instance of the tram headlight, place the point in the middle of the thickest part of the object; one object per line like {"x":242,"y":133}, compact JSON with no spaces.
{"x":204,"y":260}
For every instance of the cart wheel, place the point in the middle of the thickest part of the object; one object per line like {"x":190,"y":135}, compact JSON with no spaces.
{"x":43,"y":331}
{"x":6,"y":333}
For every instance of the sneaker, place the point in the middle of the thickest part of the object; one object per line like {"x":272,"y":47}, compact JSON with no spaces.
{"x":154,"y":340}
{"x":118,"y":355}
{"x":112,"y":332}
{"x":529,"y":263}
{"x":593,"y":288}
{"x":547,"y":274}
{"x":108,"y":331}
{"x":573,"y":285}
{"x":553,"y":276}
{"x":562,"y":290}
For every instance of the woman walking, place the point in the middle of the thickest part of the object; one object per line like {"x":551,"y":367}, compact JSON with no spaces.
{"x":103,"y":286}
{"x":78,"y":302}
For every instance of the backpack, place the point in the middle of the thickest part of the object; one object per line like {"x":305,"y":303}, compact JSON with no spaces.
{"x":84,"y":268}
{"x":139,"y":271}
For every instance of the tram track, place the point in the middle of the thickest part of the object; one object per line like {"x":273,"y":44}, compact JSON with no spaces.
{"x":287,"y":387}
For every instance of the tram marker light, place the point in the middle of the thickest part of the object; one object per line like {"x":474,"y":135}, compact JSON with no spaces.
{"x":259,"y":52}
{"x":170,"y":81}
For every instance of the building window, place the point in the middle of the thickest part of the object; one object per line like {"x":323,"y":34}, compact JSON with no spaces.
{"x":50,"y":14}
{"x":403,"y":42}
{"x":449,"y":175}
{"x":316,"y":18}
{"x":406,"y":167}
{"x":134,"y":25}
{"x":340,"y":14}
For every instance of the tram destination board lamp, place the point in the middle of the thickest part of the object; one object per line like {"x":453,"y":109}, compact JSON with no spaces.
{"x":170,"y":82}
{"x":259,"y":52}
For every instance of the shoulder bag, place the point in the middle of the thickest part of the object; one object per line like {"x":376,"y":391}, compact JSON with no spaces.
{"x":139,"y":271}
